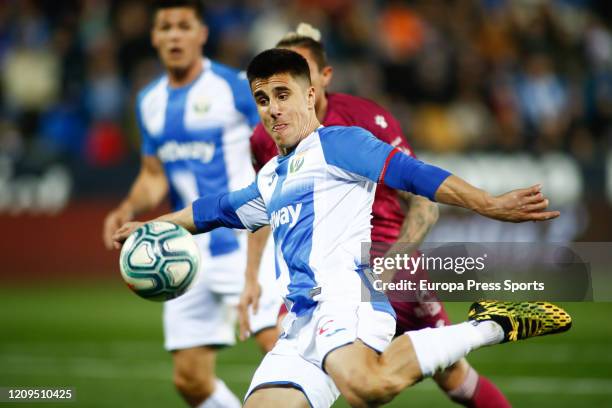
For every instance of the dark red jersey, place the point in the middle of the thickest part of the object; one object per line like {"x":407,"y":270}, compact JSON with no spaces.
{"x":347,"y":110}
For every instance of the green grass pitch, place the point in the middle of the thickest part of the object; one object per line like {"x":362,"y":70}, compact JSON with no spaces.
{"x":107,"y":343}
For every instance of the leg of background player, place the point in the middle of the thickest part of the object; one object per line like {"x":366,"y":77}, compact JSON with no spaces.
{"x":465,"y":386}
{"x":277,"y":397}
{"x":194,"y":378}
{"x":266,"y":338}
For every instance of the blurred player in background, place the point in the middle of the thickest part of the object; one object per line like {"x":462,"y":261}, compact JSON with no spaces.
{"x":195,"y":122}
{"x":390,"y":223}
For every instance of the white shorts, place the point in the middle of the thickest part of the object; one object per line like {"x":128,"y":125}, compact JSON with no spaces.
{"x":206,"y":315}
{"x":223,"y":273}
{"x":298,"y":357}
{"x":270,"y":300}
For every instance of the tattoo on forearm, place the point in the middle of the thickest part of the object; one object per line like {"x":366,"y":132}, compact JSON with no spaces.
{"x":420,"y":219}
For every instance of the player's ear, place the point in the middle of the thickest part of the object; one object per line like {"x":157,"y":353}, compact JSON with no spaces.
{"x":326,"y":75}
{"x":311,"y":97}
{"x":203,"y":34}
{"x":154,"y":39}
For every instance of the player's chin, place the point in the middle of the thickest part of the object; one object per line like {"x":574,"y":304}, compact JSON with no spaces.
{"x":175,"y":63}
{"x":279,"y":138}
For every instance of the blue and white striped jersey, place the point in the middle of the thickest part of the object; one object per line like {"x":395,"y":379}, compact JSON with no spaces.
{"x":318,"y":201}
{"x":200,"y":132}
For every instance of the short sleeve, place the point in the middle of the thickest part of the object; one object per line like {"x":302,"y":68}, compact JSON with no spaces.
{"x":249,"y":207}
{"x":238,"y":209}
{"x":354,"y":153}
{"x":147,"y":145}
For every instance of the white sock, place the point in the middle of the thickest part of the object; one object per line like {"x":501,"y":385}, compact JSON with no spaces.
{"x":466,"y":390}
{"x":437,"y":349}
{"x":222,"y":397}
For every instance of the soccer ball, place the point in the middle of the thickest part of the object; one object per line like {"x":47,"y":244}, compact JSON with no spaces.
{"x":159,"y":261}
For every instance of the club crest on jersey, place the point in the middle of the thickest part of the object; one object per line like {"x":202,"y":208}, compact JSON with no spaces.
{"x":201,"y":106}
{"x":296,"y":164}
{"x":286,"y":215}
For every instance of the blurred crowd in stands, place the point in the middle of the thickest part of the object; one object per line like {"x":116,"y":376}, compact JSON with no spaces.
{"x":461,"y":75}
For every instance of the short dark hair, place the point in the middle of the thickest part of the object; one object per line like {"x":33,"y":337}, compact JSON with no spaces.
{"x":315,"y":47}
{"x":195,"y":5}
{"x":278,"y":61}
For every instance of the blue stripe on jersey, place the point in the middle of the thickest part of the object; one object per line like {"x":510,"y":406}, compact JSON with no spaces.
{"x":355,"y":150}
{"x":243,"y":100}
{"x":378,"y":299}
{"x":295,"y":240}
{"x":210,"y":176}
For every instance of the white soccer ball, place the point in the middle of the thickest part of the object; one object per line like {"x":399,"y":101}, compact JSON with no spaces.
{"x":159,"y":261}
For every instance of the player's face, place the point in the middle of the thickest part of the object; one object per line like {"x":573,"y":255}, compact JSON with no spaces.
{"x":319,"y":77}
{"x":286,"y":108}
{"x":179,"y":35}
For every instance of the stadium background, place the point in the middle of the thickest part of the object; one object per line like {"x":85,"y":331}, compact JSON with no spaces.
{"x":503,"y":92}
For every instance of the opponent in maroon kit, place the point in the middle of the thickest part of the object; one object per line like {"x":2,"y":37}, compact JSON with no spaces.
{"x":461,"y":382}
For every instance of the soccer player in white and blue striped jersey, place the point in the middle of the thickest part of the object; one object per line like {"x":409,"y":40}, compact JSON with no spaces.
{"x":317,"y":196}
{"x":195,"y":122}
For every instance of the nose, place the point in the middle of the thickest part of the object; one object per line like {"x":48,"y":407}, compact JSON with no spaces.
{"x":174,"y":33}
{"x":274,"y":109}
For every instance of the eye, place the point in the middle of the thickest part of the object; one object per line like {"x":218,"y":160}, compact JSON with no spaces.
{"x":283,"y":96}
{"x":184,"y":26}
{"x":261,"y":101}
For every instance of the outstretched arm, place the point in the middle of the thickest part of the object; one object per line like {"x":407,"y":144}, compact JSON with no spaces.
{"x":525,"y":204}
{"x":183,"y":217}
{"x":239,"y":209}
{"x":355,"y":154}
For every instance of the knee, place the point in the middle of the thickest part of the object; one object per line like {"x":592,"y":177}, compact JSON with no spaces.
{"x":194,"y":386}
{"x":454,"y":376}
{"x":367,"y":389}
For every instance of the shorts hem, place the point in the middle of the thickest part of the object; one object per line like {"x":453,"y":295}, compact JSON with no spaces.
{"x":329,"y":351}
{"x":370,"y":346}
{"x":211,"y":344}
{"x":291,"y":384}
